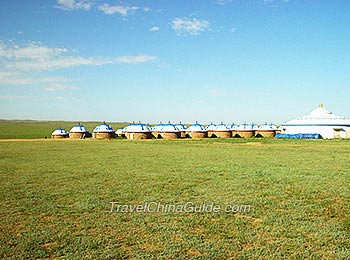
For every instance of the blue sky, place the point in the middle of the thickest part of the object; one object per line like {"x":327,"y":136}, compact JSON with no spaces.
{"x":181,"y":60}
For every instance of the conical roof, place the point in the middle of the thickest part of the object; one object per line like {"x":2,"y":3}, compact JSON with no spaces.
{"x":319,"y":116}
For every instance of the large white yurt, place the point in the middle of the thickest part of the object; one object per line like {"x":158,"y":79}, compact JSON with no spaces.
{"x":320,"y":122}
{"x":138,"y":131}
{"x":103,"y":131}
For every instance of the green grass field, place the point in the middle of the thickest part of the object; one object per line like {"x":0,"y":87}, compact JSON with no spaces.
{"x":56,"y":194}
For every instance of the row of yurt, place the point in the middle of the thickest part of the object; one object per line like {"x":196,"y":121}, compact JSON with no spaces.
{"x":319,"y":123}
{"x":102,"y":131}
{"x":162,"y":131}
{"x":195,"y":131}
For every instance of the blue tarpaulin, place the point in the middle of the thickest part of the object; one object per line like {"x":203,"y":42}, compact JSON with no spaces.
{"x":298,"y":136}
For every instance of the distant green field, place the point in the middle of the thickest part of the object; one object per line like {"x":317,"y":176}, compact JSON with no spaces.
{"x":40,"y":129}
{"x":56,"y":194}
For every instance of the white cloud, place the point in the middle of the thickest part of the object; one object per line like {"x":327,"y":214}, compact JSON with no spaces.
{"x":36,"y":57}
{"x":135,"y":59}
{"x":23,"y":65}
{"x":234,"y":29}
{"x":59,"y":87}
{"x":154,"y":28}
{"x":189,"y":26}
{"x":74,"y":4}
{"x":122,"y":10}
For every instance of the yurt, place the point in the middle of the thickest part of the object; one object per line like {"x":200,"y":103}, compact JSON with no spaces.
{"x":246,"y":130}
{"x":318,"y":122}
{"x":211,"y":130}
{"x":222,"y":131}
{"x":266,"y":130}
{"x":233,"y":127}
{"x":197,"y":131}
{"x":103,"y":131}
{"x":79,"y":132}
{"x":182,"y":128}
{"x":121,"y":132}
{"x":138,"y":131}
{"x":167,"y":131}
{"x":59,"y":133}
{"x":155,"y":129}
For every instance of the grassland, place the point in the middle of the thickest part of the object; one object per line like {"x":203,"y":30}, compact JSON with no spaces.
{"x":56,"y":194}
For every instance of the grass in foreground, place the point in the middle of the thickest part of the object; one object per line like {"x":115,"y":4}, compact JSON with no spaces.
{"x":55,"y":199}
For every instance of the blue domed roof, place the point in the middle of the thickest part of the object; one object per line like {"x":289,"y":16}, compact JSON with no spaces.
{"x":196,"y":128}
{"x":267,"y":127}
{"x":79,"y":129}
{"x":103,"y":128}
{"x":210,"y":127}
{"x":168,"y":128}
{"x":137,"y":128}
{"x":222,"y":127}
{"x":60,"y":131}
{"x":181,"y":127}
{"x":247,"y":127}
{"x":233,"y":126}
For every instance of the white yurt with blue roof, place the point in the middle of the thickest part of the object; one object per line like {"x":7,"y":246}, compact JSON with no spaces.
{"x":211,"y":130}
{"x":138,"y":131}
{"x":319,"y":122}
{"x":156,"y":128}
{"x":246,"y":130}
{"x":182,"y":128}
{"x":59,"y":133}
{"x":79,"y":132}
{"x":266,"y":130}
{"x":103,"y":131}
{"x":121,"y":132}
{"x":222,"y":131}
{"x":197,"y":131}
{"x":166,"y":131}
{"x":233,"y":127}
